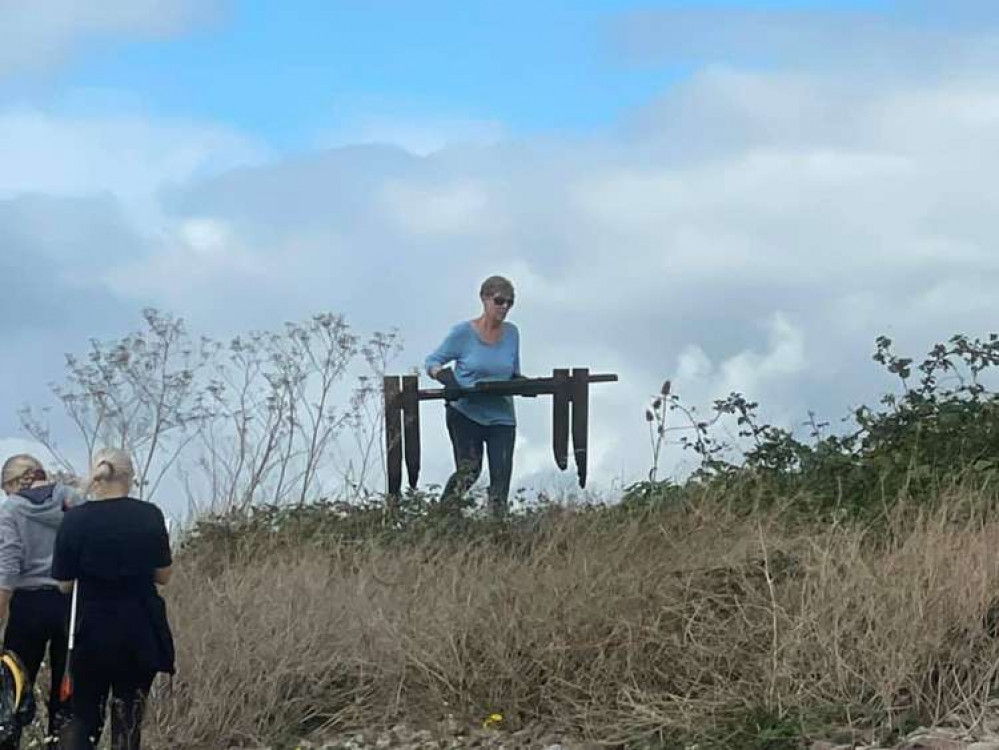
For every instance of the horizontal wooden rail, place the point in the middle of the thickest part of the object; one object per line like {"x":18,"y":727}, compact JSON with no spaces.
{"x":570,"y":416}
{"x":519,"y":387}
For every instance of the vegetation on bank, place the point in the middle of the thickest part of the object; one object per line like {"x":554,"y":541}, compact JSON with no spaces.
{"x":837,"y":586}
{"x":838,"y":583}
{"x":661,"y":626}
{"x":937,"y":436}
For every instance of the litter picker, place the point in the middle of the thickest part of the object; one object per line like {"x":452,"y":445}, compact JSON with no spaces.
{"x":66,"y":686}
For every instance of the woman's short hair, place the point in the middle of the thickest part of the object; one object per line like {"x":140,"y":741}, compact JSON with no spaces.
{"x":23,"y":468}
{"x":112,"y":465}
{"x":496,"y":285}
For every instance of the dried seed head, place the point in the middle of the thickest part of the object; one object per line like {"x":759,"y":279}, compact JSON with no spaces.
{"x":666,"y":388}
{"x":648,"y":415}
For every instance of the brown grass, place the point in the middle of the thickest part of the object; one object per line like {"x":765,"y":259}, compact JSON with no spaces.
{"x":693,"y":623}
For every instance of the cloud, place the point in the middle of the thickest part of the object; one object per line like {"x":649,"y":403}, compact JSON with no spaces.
{"x":129,"y":155}
{"x":420,"y":136}
{"x":765,"y":264}
{"x":51,"y":248}
{"x":38,"y":34}
{"x":916,"y":36}
{"x":439,"y":209}
{"x":198,"y":253}
{"x":751,"y":229}
{"x":747,"y":371}
{"x":10,"y":446}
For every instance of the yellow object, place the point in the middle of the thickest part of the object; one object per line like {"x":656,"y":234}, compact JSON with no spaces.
{"x":492,"y":720}
{"x":15,"y":669}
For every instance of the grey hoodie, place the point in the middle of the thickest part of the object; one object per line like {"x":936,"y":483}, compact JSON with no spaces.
{"x":28,"y":525}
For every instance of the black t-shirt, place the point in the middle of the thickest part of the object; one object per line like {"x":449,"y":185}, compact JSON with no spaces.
{"x":113,"y":547}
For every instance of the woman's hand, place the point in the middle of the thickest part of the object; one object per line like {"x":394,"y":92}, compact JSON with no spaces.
{"x":445,"y":376}
{"x":162,"y":575}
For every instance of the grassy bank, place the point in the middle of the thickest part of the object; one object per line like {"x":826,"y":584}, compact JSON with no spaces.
{"x":669,"y":624}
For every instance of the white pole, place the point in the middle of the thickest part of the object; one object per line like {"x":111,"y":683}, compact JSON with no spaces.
{"x":72,"y":614}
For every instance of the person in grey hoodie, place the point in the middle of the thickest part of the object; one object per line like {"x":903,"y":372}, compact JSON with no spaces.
{"x":32,"y":607}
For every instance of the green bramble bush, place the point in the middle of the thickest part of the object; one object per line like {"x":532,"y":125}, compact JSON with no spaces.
{"x":938,"y":431}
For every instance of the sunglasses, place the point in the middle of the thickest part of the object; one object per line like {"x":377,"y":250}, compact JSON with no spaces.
{"x":503,"y":301}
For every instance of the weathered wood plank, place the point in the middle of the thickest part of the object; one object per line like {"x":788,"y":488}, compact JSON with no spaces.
{"x":393,"y":433}
{"x":560,"y":417}
{"x":411,"y":428}
{"x":580,"y":419}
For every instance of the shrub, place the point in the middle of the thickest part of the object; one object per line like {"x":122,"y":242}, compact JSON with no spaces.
{"x":941,"y":430}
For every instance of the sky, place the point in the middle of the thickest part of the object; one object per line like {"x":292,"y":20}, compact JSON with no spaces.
{"x":735,"y":196}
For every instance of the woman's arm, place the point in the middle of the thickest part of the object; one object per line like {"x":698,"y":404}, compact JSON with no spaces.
{"x":449,"y":350}
{"x":162,"y":557}
{"x":66,"y":554}
{"x":11,"y":552}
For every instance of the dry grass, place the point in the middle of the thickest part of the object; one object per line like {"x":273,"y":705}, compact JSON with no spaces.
{"x":695,"y":624}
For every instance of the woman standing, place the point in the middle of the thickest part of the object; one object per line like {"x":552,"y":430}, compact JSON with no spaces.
{"x":31,"y":605}
{"x":114,"y":550}
{"x":486,"y":348}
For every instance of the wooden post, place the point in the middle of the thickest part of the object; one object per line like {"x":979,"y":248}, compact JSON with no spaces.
{"x":393,"y":435}
{"x":580,"y":419}
{"x":411,"y":427}
{"x":560,"y":417}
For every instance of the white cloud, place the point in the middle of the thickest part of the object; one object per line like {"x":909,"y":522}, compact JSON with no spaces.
{"x":125,"y":154}
{"x":748,"y":231}
{"x":920,"y":35}
{"x":35,"y":34}
{"x":420,"y":136}
{"x":10,"y":446}
{"x":720,"y":266}
{"x":197,"y":252}
{"x":460,"y":208}
{"x":748,"y":371}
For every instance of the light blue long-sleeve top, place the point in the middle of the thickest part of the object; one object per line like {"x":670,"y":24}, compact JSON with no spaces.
{"x":476,"y":361}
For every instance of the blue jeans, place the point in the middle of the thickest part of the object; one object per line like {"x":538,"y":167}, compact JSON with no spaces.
{"x":467,"y":440}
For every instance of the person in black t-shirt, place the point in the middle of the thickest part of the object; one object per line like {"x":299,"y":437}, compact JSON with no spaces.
{"x":115,"y":550}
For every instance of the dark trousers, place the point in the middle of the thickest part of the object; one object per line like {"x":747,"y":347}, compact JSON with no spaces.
{"x":39,"y":620}
{"x":95,"y":677}
{"x":467,"y":440}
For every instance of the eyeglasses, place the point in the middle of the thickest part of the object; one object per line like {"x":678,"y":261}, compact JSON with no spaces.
{"x":503,"y":301}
